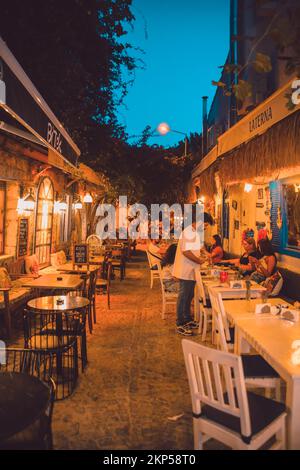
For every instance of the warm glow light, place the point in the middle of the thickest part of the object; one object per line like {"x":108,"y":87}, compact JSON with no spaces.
{"x":297,"y":188}
{"x":78,"y":205}
{"x":87,"y":198}
{"x":56,"y":207}
{"x":60,"y":206}
{"x":29,"y":202}
{"x":28,"y":205}
{"x":201,"y":200}
{"x":163,"y":128}
{"x":44,"y":215}
{"x":20,"y":206}
{"x":248,"y":187}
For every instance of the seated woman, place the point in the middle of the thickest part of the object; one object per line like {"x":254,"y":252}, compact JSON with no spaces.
{"x":170,"y":283}
{"x":266,"y":271}
{"x":216,"y":252}
{"x":243,"y":263}
{"x":155,"y":252}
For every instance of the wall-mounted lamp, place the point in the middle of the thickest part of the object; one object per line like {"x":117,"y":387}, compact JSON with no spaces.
{"x":297,"y":188}
{"x":29,"y":202}
{"x":201,"y":200}
{"x":87,"y":199}
{"x":26,"y":204}
{"x":60,"y":205}
{"x":248,"y":187}
{"x":77,"y":204}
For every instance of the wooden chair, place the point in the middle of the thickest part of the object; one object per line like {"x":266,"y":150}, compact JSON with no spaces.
{"x":168,"y":298}
{"x":258,"y":373}
{"x":117,"y":258}
{"x":202,"y":307}
{"x":104,"y":284}
{"x":154,"y":274}
{"x":222,"y":407}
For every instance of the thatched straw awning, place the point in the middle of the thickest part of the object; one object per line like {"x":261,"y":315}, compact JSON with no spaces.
{"x":206,"y":182}
{"x":276,"y":149}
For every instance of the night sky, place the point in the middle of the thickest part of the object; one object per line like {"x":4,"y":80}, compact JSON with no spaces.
{"x":184,"y":42}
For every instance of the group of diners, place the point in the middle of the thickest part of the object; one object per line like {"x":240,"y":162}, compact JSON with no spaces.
{"x":179,"y":261}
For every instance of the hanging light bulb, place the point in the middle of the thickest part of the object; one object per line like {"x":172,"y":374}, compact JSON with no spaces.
{"x":87,"y":198}
{"x":29,"y":202}
{"x":248,"y":187}
{"x":77,"y":204}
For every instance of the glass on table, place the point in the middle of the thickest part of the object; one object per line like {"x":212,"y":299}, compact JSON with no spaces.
{"x":264,"y":296}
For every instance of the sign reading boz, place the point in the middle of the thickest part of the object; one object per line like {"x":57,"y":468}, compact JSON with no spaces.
{"x":54,"y":137}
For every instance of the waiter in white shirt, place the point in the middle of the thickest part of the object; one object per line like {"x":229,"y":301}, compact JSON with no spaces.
{"x":186,"y":260}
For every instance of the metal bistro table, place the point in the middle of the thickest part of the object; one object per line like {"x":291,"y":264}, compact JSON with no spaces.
{"x":23,"y":400}
{"x":64,"y":312}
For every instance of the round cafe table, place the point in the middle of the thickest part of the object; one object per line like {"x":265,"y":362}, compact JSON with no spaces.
{"x":63,"y":308}
{"x":23,"y":400}
{"x":58,"y":303}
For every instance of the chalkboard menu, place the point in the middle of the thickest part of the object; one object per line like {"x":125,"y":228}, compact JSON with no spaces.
{"x":23,"y":237}
{"x":81,"y":255}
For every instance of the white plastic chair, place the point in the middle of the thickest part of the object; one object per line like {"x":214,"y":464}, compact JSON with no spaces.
{"x":202,"y":306}
{"x":168,"y":298}
{"x":154,"y":274}
{"x":258,"y":373}
{"x":222,"y":407}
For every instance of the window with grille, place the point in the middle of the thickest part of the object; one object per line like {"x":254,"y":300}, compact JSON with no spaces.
{"x":44,"y":220}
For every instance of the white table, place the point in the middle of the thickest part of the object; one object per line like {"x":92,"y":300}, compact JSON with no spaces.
{"x":272,"y":338}
{"x":228,"y":292}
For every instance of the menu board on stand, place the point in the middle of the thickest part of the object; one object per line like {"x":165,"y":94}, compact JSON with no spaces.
{"x":23,"y":232}
{"x":81,"y":254}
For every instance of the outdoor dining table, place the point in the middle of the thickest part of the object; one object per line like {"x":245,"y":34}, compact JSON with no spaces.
{"x":78,"y":268}
{"x":64,"y":282}
{"x":227,"y":292}
{"x":272,"y":337}
{"x":23,"y":400}
{"x":60,"y":306}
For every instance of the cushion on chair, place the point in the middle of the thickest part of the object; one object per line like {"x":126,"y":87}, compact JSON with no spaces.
{"x":262,"y":412}
{"x":5,"y":280}
{"x":31,"y":265}
{"x":58,"y":258}
{"x":256,"y":366}
{"x":16,"y":294}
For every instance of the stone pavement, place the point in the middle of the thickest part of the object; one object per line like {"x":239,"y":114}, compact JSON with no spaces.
{"x":135,"y":379}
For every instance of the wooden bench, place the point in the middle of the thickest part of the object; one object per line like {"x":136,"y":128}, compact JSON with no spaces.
{"x":14,"y":296}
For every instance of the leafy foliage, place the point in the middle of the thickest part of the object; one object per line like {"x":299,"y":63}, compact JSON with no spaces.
{"x":76,"y":53}
{"x":284,"y":31}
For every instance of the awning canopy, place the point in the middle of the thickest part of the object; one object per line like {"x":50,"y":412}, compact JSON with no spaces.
{"x":22,"y":101}
{"x":265,"y":116}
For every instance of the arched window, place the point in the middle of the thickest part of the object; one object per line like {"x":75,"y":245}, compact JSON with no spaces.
{"x":44,"y":220}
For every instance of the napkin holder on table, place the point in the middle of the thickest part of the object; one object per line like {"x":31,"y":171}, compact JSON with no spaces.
{"x":238,"y":284}
{"x":263,"y":308}
{"x":290,"y":314}
{"x":215,"y":272}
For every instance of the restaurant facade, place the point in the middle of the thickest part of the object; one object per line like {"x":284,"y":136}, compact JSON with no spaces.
{"x":47,"y":198}
{"x":250,"y":180}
